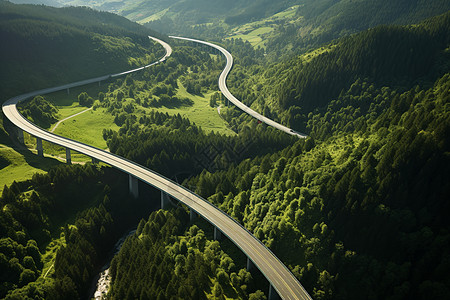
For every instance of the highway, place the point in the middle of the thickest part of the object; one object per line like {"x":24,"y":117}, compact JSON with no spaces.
{"x":279,"y":276}
{"x":224,"y":89}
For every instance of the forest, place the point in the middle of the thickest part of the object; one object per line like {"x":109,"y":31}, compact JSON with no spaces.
{"x":366,"y":202}
{"x":399,"y":57}
{"x":364,"y":196}
{"x":355,"y":211}
{"x":177,"y":260}
{"x":44,"y":257}
{"x":54,"y":40}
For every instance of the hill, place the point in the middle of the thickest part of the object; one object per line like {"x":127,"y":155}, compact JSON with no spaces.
{"x":358,"y":210}
{"x":44,"y":46}
{"x":321,"y":21}
{"x":395,"y":56}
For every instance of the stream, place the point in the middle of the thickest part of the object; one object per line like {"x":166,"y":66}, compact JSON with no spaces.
{"x":102,"y":281}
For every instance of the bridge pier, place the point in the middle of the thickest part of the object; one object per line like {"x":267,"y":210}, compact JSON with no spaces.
{"x":94,"y":161}
{"x":273,"y":295}
{"x":133,"y":185}
{"x":217,"y":234}
{"x":39,"y":148}
{"x":68,"y":156}
{"x":164,"y":200}
{"x":250,"y":265}
{"x":192,"y":215}
{"x":68,"y":91}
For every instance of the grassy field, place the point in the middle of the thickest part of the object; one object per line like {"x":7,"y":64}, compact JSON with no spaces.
{"x":257,"y":32}
{"x":88,"y":128}
{"x":200,"y":112}
{"x":21,"y":164}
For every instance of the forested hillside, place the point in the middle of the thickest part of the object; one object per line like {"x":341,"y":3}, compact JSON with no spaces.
{"x":359,"y":209}
{"x":362,"y":214}
{"x":321,"y":21}
{"x":45,"y":46}
{"x":356,"y":211}
{"x":395,"y":56}
{"x":56,"y":230}
{"x":177,"y":260}
{"x":314,"y":22}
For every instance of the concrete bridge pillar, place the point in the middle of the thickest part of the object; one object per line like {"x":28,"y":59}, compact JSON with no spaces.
{"x":217,"y":234}
{"x":164,"y":200}
{"x":192,"y":215}
{"x":68,"y":91}
{"x":39,"y":148}
{"x":94,"y":161}
{"x":273,"y":295}
{"x":133,"y":184}
{"x":68,"y":156}
{"x":250,"y":265}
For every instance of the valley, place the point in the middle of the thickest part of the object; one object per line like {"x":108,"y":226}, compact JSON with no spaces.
{"x":348,"y":203}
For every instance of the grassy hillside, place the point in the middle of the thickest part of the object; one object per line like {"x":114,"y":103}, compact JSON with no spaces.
{"x":321,"y":21}
{"x":395,"y":56}
{"x":45,"y":46}
{"x":360,"y":210}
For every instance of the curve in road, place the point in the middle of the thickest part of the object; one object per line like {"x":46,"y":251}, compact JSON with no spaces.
{"x":224,"y":89}
{"x":279,"y":276}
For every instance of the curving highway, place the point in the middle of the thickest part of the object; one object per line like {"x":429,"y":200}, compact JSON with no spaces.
{"x":224,"y":89}
{"x":282,"y":280}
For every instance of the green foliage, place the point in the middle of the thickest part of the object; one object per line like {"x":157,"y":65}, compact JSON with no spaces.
{"x":367,"y":203}
{"x":39,"y":111}
{"x":34,"y":212}
{"x":85,"y":100}
{"x":166,"y":259}
{"x":321,"y":21}
{"x":46,"y":46}
{"x":398,"y":56}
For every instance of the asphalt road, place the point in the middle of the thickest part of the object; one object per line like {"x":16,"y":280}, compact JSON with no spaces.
{"x":275,"y":271}
{"x":224,"y":89}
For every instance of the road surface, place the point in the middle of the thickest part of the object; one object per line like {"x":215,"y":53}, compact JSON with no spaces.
{"x":224,"y":89}
{"x":279,"y":276}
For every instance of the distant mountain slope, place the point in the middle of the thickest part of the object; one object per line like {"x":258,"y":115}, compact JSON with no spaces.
{"x":43,"y":46}
{"x":396,"y":56}
{"x":323,"y":20}
{"x":54,"y":3}
{"x":316,"y":21}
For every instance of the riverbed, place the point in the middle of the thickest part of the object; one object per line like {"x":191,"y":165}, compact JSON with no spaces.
{"x":102,"y":281}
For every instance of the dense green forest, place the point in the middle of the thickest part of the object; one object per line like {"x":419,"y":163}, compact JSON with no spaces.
{"x":40,"y":44}
{"x":367,"y":203}
{"x":363,"y":199}
{"x":321,"y":21}
{"x":177,"y":260}
{"x":315,"y":22}
{"x":396,"y":56}
{"x":57,"y":228}
{"x":356,"y":211}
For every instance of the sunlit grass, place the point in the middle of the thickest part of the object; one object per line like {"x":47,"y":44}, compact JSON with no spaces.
{"x":20,"y":165}
{"x":200,"y":112}
{"x":256,"y":33}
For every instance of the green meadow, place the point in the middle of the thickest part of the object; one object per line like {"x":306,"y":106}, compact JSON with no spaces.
{"x":257,"y":32}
